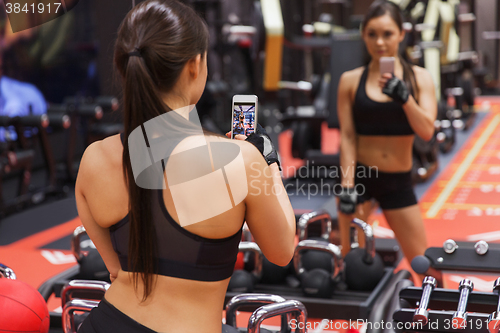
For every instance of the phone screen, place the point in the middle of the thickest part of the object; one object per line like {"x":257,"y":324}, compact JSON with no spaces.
{"x":387,"y":65}
{"x":244,"y":118}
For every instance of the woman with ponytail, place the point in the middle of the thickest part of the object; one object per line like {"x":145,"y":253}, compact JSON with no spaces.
{"x":168,"y":227}
{"x":380,"y":114}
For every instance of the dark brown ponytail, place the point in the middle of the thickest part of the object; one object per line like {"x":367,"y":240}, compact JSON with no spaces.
{"x":162,"y":36}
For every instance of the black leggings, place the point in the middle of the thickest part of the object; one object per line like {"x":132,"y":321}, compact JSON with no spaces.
{"x":107,"y":319}
{"x":391,"y":189}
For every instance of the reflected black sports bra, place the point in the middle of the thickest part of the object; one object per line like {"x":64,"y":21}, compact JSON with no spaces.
{"x":181,"y":254}
{"x":378,"y":118}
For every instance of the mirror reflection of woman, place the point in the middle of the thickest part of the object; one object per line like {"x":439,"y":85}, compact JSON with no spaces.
{"x":379,"y":115}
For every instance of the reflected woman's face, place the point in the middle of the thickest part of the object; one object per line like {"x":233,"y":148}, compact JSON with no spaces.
{"x":382,"y":37}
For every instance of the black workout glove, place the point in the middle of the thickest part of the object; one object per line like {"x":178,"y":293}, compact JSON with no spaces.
{"x":347,"y":200}
{"x":261,"y":140}
{"x":397,"y":90}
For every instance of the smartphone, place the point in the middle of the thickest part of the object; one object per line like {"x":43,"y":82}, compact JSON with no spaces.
{"x":244,"y":119}
{"x":386,"y":65}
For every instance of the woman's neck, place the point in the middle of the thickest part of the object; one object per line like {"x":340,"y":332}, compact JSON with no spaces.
{"x":178,"y":103}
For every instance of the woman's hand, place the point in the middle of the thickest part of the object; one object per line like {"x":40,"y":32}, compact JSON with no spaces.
{"x":260,"y":139}
{"x":383,"y":79}
{"x":347,"y":200}
{"x":237,"y":136}
{"x":395,"y":88}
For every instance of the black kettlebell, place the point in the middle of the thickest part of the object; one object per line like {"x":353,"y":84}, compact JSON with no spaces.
{"x":318,"y":282}
{"x":243,"y":281}
{"x":274,"y":274}
{"x":364,"y":268}
{"x":92,"y":266}
{"x":312,"y":259}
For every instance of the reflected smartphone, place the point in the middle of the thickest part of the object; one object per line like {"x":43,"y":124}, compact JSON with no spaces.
{"x":244,"y":119}
{"x":386,"y":65}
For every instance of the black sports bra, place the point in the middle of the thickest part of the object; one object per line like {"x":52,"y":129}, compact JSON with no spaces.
{"x":181,"y":254}
{"x":378,"y":118}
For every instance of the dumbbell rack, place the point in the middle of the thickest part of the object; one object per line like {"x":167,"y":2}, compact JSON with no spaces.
{"x":86,"y":119}
{"x":344,"y":305}
{"x":25,"y":152}
{"x":479,"y":306}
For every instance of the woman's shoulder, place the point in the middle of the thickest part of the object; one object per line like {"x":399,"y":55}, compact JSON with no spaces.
{"x":251,"y":155}
{"x":422,"y":75}
{"x":349,"y":81}
{"x":245,"y":147}
{"x":100,"y":158}
{"x":419,"y":71}
{"x":248,"y":150}
{"x":353,"y":74}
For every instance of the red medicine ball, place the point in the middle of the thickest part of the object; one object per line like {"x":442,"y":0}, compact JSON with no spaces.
{"x":22,"y":308}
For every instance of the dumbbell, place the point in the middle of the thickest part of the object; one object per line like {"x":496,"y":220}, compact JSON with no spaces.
{"x":315,"y":259}
{"x":86,"y":110}
{"x":242,"y":280}
{"x":446,"y":135}
{"x":41,"y":120}
{"x":92,"y":266}
{"x":69,"y":323}
{"x":460,"y":316}
{"x":59,"y":120}
{"x":80,"y":296}
{"x":319,"y":282}
{"x":271,"y":310}
{"x":242,"y":300}
{"x":363,"y":267}
{"x":7,"y":272}
{"x":494,"y":318}
{"x":108,"y":103}
{"x":421,"y":314}
{"x":83,"y":289}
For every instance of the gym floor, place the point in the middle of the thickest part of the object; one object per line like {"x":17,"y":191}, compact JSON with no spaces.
{"x":460,"y":201}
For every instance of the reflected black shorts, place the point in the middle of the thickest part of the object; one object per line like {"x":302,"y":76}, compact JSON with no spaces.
{"x":392,"y":190}
{"x":107,"y":319}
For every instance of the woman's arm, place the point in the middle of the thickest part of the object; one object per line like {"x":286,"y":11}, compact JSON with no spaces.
{"x":422,"y":115}
{"x":347,"y":130}
{"x":269,"y":213}
{"x":347,"y":152}
{"x":90,"y":166}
